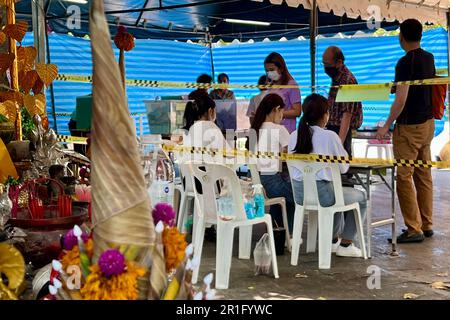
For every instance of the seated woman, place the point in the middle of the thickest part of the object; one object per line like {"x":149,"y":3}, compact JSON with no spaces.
{"x":312,"y":137}
{"x":199,"y":117}
{"x":273,"y":137}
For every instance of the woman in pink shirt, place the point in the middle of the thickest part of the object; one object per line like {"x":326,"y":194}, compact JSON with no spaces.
{"x":278,"y":74}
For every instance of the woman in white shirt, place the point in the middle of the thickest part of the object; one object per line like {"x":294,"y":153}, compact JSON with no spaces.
{"x":200,"y":115}
{"x":273,"y":137}
{"x":312,"y":137}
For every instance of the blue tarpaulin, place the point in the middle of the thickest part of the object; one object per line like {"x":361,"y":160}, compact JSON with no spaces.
{"x":371,"y":59}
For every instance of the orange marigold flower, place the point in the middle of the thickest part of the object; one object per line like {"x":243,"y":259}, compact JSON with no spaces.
{"x":174,"y":247}
{"x":121,"y":287}
{"x":72,"y":257}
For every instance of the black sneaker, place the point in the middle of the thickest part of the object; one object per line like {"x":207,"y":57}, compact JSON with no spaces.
{"x":428,"y":233}
{"x":405,"y":237}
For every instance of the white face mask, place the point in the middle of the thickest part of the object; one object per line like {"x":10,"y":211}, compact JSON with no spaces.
{"x":273,"y":75}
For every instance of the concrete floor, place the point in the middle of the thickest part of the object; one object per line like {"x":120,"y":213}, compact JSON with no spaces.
{"x":412,"y":271}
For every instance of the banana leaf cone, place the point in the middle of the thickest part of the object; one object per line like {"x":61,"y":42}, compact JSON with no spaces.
{"x":158,"y":275}
{"x":121,"y":210}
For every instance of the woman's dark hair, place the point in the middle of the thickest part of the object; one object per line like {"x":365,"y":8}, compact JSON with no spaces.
{"x":314,"y":107}
{"x":267,"y":105}
{"x":222,"y":76}
{"x":278,"y":60}
{"x":204,"y":78}
{"x":196,"y":109}
{"x":262,"y":81}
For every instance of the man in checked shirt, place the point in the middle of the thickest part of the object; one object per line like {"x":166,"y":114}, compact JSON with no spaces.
{"x":344,"y":116}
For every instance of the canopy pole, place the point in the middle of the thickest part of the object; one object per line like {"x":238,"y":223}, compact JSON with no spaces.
{"x":448,"y":69}
{"x":38,"y":20}
{"x":52,"y":92}
{"x":312,"y":43}
{"x":209,"y":41}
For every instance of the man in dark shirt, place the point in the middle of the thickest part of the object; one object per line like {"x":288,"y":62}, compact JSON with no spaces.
{"x":414,"y":130}
{"x":344,"y":116}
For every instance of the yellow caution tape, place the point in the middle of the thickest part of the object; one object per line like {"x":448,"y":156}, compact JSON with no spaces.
{"x":193,"y":85}
{"x":307,"y":157}
{"x":286,"y":156}
{"x":71,"y":139}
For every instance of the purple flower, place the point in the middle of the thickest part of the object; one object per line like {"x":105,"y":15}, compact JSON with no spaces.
{"x":111,"y":263}
{"x":69,"y":240}
{"x":165,"y":213}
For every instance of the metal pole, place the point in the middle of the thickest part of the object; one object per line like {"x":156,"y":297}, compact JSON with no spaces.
{"x":38,"y":20}
{"x":52,"y":92}
{"x":209,"y":40}
{"x":312,"y":42}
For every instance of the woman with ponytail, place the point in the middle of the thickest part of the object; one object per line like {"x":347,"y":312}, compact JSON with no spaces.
{"x":312,"y":137}
{"x":273,"y":137}
{"x":199,"y":117}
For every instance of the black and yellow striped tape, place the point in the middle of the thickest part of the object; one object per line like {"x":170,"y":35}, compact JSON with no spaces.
{"x":307,"y":157}
{"x":285,"y":156}
{"x":193,"y":85}
{"x":71,"y":139}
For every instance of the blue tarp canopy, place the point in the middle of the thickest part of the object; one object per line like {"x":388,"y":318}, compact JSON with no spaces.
{"x":191,"y":19}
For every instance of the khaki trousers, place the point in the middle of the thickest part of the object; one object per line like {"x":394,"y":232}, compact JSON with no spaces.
{"x":414,"y":185}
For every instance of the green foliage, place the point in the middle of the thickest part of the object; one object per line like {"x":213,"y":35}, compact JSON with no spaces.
{"x":27,"y":124}
{"x":12,"y":181}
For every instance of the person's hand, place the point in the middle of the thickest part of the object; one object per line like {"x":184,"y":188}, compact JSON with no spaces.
{"x":382,"y":132}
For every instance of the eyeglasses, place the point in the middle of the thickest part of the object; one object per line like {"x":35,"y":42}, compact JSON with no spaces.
{"x":326,"y":65}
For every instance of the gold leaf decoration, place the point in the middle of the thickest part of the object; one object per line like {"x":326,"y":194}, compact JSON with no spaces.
{"x":12,"y":265}
{"x":34,"y":104}
{"x":38,"y":86}
{"x":2,"y":37}
{"x":26,"y":57}
{"x":47,"y":72}
{"x":11,"y":95}
{"x":6,"y":60}
{"x":9,"y":110}
{"x":17,"y":30}
{"x":27,"y":80}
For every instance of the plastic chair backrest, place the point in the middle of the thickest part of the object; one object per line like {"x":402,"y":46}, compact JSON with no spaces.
{"x":186,"y":178}
{"x":208,"y":174}
{"x":255,"y":174}
{"x":309,"y":171}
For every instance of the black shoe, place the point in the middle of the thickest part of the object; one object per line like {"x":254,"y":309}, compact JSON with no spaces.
{"x":405,"y":237}
{"x":428,"y":233}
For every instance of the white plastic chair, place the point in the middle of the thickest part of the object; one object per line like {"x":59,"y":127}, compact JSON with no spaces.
{"x":206,"y":213}
{"x":281,"y":201}
{"x":380,"y":147}
{"x":186,"y":190}
{"x":325,"y":215}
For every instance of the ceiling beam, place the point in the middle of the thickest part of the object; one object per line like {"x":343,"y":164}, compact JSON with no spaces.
{"x":178,"y":6}
{"x":142,"y":13}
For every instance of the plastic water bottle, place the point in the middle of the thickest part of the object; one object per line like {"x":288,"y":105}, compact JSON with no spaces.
{"x":225,"y":205}
{"x":158,"y":169}
{"x":249,"y":207}
{"x":259,"y":200}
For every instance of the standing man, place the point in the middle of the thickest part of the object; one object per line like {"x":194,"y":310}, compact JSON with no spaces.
{"x":413,"y":132}
{"x":222,"y":94}
{"x":344,"y":116}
